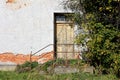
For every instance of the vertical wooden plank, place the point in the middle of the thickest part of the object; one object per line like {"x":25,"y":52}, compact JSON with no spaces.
{"x":65,"y":34}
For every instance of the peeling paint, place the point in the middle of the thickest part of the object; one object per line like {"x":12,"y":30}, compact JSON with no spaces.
{"x":11,"y":58}
{"x":10,"y":1}
{"x":17,"y":4}
{"x":27,"y":25}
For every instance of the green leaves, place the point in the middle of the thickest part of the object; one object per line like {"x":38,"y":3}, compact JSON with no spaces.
{"x":100,"y":20}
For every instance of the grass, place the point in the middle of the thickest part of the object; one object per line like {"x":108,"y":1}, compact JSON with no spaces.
{"x":36,"y":76}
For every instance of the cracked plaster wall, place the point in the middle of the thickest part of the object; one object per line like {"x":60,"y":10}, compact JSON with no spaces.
{"x":27,"y":25}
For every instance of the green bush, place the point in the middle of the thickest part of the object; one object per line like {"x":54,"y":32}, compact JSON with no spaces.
{"x":52,"y":63}
{"x":26,"y":67}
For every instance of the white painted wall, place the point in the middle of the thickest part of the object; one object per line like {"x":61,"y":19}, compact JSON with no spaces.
{"x":27,"y":25}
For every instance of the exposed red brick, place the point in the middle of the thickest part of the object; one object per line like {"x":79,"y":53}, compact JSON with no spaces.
{"x":10,"y":1}
{"x":21,"y":58}
{"x":45,"y":57}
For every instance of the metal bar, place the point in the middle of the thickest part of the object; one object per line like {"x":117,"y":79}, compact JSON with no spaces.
{"x":67,"y":44}
{"x":68,"y":52}
{"x":54,"y":44}
{"x":41,"y":49}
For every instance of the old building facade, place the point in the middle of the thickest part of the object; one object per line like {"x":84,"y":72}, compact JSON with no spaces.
{"x":29,"y":25}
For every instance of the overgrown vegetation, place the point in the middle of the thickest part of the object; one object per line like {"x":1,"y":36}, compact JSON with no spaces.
{"x":100,"y":21}
{"x":58,"y":62}
{"x":26,"y":67}
{"x":34,"y":72}
{"x":37,"y":76}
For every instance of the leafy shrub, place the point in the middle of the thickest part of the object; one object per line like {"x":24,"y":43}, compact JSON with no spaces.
{"x":27,"y":66}
{"x":52,"y":63}
{"x":59,"y":62}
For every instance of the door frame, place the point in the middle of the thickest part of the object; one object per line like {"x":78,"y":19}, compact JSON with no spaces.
{"x":55,"y":32}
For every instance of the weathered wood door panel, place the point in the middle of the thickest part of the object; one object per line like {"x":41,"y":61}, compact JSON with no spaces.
{"x":65,"y":39}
